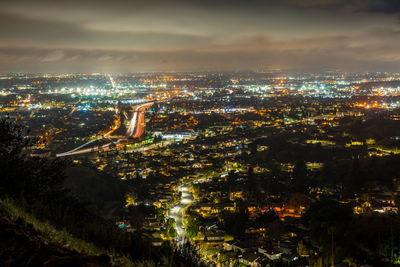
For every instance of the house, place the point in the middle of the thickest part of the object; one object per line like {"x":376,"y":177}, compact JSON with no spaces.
{"x":250,"y":259}
{"x":214,"y":236}
{"x":242,"y":246}
{"x":270,"y":253}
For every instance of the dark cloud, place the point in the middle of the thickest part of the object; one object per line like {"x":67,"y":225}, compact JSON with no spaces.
{"x":351,"y":53}
{"x":67,"y":34}
{"x":370,"y":6}
{"x":318,"y":3}
{"x":381,"y":6}
{"x":156,"y":35}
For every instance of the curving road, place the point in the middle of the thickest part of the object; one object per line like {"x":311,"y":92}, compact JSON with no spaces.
{"x":176,"y":212}
{"x":136,"y":125}
{"x":135,"y":130}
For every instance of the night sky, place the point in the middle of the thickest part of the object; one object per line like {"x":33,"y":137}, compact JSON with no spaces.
{"x":208,"y":35}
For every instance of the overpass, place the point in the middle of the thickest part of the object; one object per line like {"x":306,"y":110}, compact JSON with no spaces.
{"x":135,"y":130}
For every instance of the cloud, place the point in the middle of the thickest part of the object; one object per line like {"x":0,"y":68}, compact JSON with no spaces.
{"x":317,"y":3}
{"x":73,"y":58}
{"x":368,"y":6}
{"x":53,"y":56}
{"x":65,"y":34}
{"x":374,"y":50}
{"x":156,"y":35}
{"x":380,"y":6}
{"x":106,"y":58}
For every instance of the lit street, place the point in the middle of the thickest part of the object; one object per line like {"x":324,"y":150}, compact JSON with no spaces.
{"x":176,"y":212}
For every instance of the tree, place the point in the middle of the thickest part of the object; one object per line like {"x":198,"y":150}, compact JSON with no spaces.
{"x":275,"y":230}
{"x":35,"y":185}
{"x":196,"y":190}
{"x":268,"y":217}
{"x":327,"y":214}
{"x":328,"y":220}
{"x":302,"y":249}
{"x":234,"y":221}
{"x":22,"y":176}
{"x":328,"y":174}
{"x":300,"y":176}
{"x":171,"y":223}
{"x":297,"y":201}
{"x":354,"y":176}
{"x":351,"y":262}
{"x":192,"y":228}
{"x":172,"y":232}
{"x":160,"y":215}
{"x":130,"y":199}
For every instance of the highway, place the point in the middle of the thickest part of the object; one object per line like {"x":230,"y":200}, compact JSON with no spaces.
{"x":136,"y":125}
{"x":140,"y":123}
{"x":87,"y":150}
{"x":135,"y":130}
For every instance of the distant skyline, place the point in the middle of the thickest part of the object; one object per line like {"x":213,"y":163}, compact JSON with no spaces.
{"x":224,"y":35}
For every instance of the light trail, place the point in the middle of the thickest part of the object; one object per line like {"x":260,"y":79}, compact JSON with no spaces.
{"x":136,"y":127}
{"x":72,"y":111}
{"x":111,"y":131}
{"x":113,"y":84}
{"x":135,"y":130}
{"x":85,"y":144}
{"x":132,"y":124}
{"x":87,"y":150}
{"x":91,"y":141}
{"x":139,"y":126}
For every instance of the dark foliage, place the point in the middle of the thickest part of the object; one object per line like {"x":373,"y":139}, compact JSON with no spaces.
{"x":36,"y":185}
{"x":367,"y":238}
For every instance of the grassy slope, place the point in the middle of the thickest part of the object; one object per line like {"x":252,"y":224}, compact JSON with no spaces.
{"x":60,"y":238}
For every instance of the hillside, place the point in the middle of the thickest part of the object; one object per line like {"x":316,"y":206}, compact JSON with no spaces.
{"x":42,"y":222}
{"x":22,"y":245}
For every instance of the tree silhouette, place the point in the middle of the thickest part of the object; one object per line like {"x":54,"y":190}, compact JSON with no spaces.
{"x":23,"y":176}
{"x":300,"y":176}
